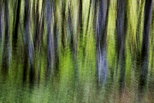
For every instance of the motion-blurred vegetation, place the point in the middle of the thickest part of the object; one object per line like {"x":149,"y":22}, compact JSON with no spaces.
{"x":76,"y":51}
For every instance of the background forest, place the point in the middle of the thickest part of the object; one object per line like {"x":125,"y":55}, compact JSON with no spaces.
{"x":76,"y":51}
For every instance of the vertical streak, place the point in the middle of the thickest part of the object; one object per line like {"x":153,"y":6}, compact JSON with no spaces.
{"x":29,"y":48}
{"x":6,"y":50}
{"x":1,"y":22}
{"x":121,"y":39}
{"x":80,"y":25}
{"x":50,"y":35}
{"x":101,"y":27}
{"x":16,"y":24}
{"x":63,"y":24}
{"x":146,"y":43}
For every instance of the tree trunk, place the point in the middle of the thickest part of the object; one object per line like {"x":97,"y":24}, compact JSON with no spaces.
{"x":6,"y":49}
{"x":16,"y":24}
{"x":121,"y":39}
{"x":28,"y":44}
{"x":50,"y":35}
{"x":101,"y":27}
{"x":145,"y":44}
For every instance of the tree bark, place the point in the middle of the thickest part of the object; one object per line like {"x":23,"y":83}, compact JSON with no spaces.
{"x":146,"y":43}
{"x":121,"y":39}
{"x":101,"y":27}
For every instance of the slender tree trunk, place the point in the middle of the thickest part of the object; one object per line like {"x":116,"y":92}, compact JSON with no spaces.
{"x":38,"y":28}
{"x":50,"y":35}
{"x":28,"y":44}
{"x":16,"y":24}
{"x":145,"y":44}
{"x":6,"y":49}
{"x":121,"y":39}
{"x":80,"y":25}
{"x":63,"y":37}
{"x":38,"y":35}
{"x":1,"y":8}
{"x":101,"y":27}
{"x":70,"y":32}
{"x":56,"y":43}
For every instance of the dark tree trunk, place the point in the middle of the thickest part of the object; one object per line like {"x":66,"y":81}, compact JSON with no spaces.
{"x":71,"y":33}
{"x":146,"y":43}
{"x":16,"y":24}
{"x":63,"y":37}
{"x":1,"y":8}
{"x":38,"y":34}
{"x":25,"y":66}
{"x":38,"y":22}
{"x":101,"y":27}
{"x":56,"y":44}
{"x":80,"y":25}
{"x":6,"y":49}
{"x":50,"y":37}
{"x":121,"y":39}
{"x":28,"y":45}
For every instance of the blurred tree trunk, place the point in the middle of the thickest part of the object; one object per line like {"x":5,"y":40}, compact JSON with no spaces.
{"x":28,"y":44}
{"x":63,"y":35}
{"x":1,"y":8}
{"x":38,"y":19}
{"x":16,"y":24}
{"x":121,"y":39}
{"x":6,"y":48}
{"x":139,"y":31}
{"x":55,"y":31}
{"x":50,"y":36}
{"x":101,"y":27}
{"x":70,"y":33}
{"x":145,"y":44}
{"x":39,"y":26}
{"x":80,"y":25}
